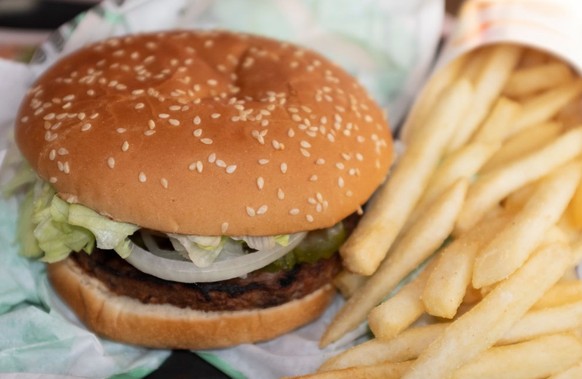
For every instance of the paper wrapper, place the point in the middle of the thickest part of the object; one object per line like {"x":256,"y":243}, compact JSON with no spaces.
{"x":388,"y":45}
{"x":554,"y":26}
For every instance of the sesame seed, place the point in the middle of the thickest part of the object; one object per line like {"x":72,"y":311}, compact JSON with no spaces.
{"x":174,"y":122}
{"x":125,"y":146}
{"x":230,"y":169}
{"x":142,"y":177}
{"x":175,"y":107}
{"x":283,"y":167}
{"x":264,"y":123}
{"x":340,"y":165}
{"x":197,"y":132}
{"x":305,"y":152}
{"x":305,"y":144}
{"x":111,"y":162}
{"x":260,"y":182}
{"x":291,"y":133}
{"x":52,"y":154}
{"x":224,"y":227}
{"x":86,"y":127}
{"x":196,"y":120}
{"x":359,"y":157}
{"x":53,"y":179}
{"x":277,"y":145}
{"x":212,"y":158}
{"x":163,"y":115}
{"x":263,"y":161}
{"x":81,"y":116}
{"x":220,"y":163}
{"x":164,"y":182}
{"x":296,"y":117}
{"x":313,"y":178}
{"x":49,"y":116}
{"x":151,"y":124}
{"x":340,"y":182}
{"x":206,"y":141}
{"x":215,"y":115}
{"x":121,"y":130}
{"x":212,"y":82}
{"x":280,"y":194}
{"x":63,"y":151}
{"x":262,"y":210}
{"x":309,"y":218}
{"x":251,"y":212}
{"x":294,"y":211}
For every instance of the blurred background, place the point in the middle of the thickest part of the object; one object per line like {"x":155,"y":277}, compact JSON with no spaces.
{"x":26,"y":23}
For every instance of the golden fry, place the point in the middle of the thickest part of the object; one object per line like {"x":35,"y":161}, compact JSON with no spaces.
{"x":479,"y":328}
{"x":416,"y":246}
{"x":537,"y":358}
{"x":523,"y":143}
{"x":491,"y":188}
{"x":381,"y":224}
{"x":489,"y":84}
{"x":530,"y":80}
{"x":401,"y":310}
{"x":511,"y":247}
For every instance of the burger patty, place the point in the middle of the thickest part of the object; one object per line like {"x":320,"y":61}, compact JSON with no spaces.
{"x":258,"y":289}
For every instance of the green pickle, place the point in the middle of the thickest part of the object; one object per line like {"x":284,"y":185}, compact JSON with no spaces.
{"x":319,"y":244}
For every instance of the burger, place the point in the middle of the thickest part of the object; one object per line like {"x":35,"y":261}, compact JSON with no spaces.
{"x":192,"y":187}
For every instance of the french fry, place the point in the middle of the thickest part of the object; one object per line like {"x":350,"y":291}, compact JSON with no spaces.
{"x":369,"y":243}
{"x":511,"y":247}
{"x":489,"y":84}
{"x":533,"y":57}
{"x":475,"y":62}
{"x":405,"y":346}
{"x":573,"y":372}
{"x":575,"y":208}
{"x":530,"y":80}
{"x":490,"y":319}
{"x":401,"y":310}
{"x":416,"y":246}
{"x":545,"y":321}
{"x":463,"y":163}
{"x":437,"y":85}
{"x":387,"y":370}
{"x":537,"y":358}
{"x":522,"y":143}
{"x":543,"y":107}
{"x":560,"y":294}
{"x":491,"y":188}
{"x":448,"y":281}
{"x":412,"y":342}
{"x":496,"y":125}
{"x":347,"y":282}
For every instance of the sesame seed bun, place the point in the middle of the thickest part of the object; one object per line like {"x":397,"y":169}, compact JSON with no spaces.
{"x":206,"y":133}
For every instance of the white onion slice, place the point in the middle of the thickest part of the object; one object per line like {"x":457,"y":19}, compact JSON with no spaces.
{"x":169,"y":265}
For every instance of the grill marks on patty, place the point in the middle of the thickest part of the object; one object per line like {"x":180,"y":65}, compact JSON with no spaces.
{"x":257,"y":290}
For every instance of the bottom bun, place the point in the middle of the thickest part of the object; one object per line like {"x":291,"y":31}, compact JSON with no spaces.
{"x":127,"y":320}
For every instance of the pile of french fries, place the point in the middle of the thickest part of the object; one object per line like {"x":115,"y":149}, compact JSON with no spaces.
{"x":487,"y":200}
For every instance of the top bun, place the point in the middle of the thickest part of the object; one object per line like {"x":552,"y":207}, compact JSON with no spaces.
{"x":207,"y":133}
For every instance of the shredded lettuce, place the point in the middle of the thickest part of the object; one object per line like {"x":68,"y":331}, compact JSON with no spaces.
{"x":109,"y":234}
{"x":201,"y":250}
{"x":50,"y":229}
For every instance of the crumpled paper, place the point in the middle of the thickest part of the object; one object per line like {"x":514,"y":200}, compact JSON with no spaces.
{"x":387,"y":44}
